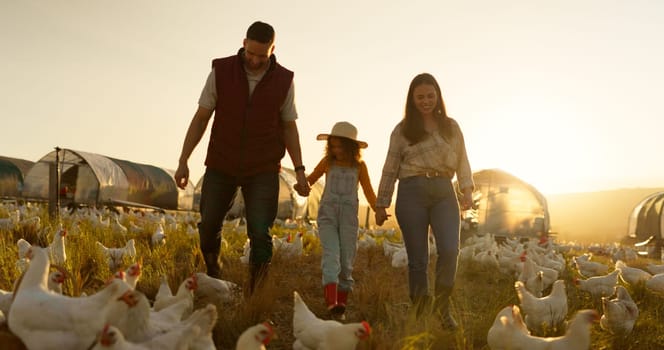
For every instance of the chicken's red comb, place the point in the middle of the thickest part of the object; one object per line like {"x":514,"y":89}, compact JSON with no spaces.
{"x":270,"y":330}
{"x":104,"y":338}
{"x":367,"y":327}
{"x":194,"y":280}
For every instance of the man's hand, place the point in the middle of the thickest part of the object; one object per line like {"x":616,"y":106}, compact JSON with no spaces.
{"x":381,"y":216}
{"x":182,"y":176}
{"x":302,"y":186}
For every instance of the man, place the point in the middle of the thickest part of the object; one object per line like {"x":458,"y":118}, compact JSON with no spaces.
{"x":252,"y":97}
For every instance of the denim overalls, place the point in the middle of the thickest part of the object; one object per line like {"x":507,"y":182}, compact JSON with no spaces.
{"x":338,"y":225}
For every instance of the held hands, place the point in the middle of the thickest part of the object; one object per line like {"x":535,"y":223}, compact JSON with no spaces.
{"x":302,"y":186}
{"x":381,"y":216}
{"x":182,"y":176}
{"x":467,"y":200}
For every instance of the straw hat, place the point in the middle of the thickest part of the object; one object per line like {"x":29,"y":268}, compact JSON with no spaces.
{"x":343,"y":129}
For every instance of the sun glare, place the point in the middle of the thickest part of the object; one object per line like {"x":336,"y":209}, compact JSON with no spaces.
{"x":539,"y":143}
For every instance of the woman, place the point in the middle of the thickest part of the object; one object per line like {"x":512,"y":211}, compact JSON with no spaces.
{"x":426,"y":150}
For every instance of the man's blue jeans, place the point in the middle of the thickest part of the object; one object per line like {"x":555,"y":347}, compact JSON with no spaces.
{"x":261,"y":199}
{"x":423,"y":202}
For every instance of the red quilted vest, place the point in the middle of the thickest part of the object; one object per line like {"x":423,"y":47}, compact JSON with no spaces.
{"x":247,"y":133}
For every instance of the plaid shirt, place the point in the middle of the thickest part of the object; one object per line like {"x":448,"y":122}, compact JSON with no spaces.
{"x":432,"y":154}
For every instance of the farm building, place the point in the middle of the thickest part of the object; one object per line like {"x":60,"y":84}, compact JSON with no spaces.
{"x":12,"y":173}
{"x":88,"y":178}
{"x":508,"y":205}
{"x":647,"y":218}
{"x":291,"y":205}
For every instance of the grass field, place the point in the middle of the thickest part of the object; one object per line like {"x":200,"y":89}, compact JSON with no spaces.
{"x":380,"y":295}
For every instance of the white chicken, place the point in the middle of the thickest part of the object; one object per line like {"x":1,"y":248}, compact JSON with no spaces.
{"x":487,"y":258}
{"x":111,"y":338}
{"x":510,"y":263}
{"x":620,"y":313}
{"x":137,"y":323}
{"x":655,"y":268}
{"x":400,"y":258}
{"x":185,"y":291}
{"x":598,"y":286}
{"x":140,"y":323}
{"x":312,"y":332}
{"x":589,"y":268}
{"x":292,"y":246}
{"x":55,"y":281}
{"x":365,"y":241}
{"x":656,"y":283}
{"x":23,"y":247}
{"x":45,"y":320}
{"x":389,"y":248}
{"x":631,"y":275}
{"x":131,"y":275}
{"x":504,"y":332}
{"x":255,"y":337}
{"x":115,"y":256}
{"x":577,"y":336}
{"x":546,"y":312}
{"x":210,"y":290}
{"x":10,"y":222}
{"x":117,"y":227}
{"x":56,"y":249}
{"x":529,"y":274}
{"x":164,"y":288}
{"x":159,"y":236}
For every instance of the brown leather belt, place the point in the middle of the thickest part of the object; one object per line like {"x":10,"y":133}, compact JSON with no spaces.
{"x":431,"y":174}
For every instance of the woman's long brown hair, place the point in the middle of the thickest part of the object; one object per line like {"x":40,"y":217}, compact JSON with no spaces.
{"x":412,"y":123}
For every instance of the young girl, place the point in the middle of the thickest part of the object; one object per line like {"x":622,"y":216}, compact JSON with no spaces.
{"x":337,"y":214}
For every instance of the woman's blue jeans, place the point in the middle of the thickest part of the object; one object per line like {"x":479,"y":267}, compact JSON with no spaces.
{"x":421,"y":203}
{"x":261,"y":199}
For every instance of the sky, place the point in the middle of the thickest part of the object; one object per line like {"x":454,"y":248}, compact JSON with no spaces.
{"x":562,"y":94}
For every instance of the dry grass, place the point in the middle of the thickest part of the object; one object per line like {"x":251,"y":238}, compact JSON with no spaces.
{"x":380,"y":295}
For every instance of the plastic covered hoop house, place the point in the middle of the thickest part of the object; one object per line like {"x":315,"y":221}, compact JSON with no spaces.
{"x":510,"y":206}
{"x":12,"y":173}
{"x":647,"y":218}
{"x":88,"y":178}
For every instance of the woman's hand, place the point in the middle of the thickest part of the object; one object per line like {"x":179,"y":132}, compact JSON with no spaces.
{"x":381,"y":216}
{"x":467,"y":199}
